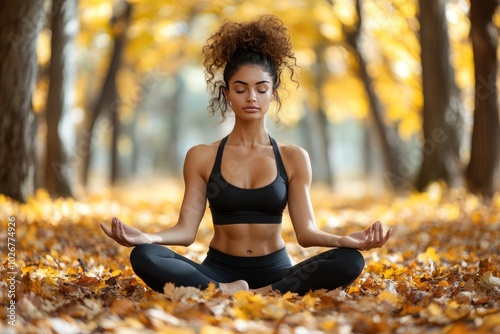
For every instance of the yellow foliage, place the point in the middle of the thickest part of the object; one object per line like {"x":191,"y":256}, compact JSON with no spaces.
{"x":167,"y":36}
{"x":390,"y":298}
{"x":340,"y":105}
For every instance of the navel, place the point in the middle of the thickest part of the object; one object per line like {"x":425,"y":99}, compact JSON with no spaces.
{"x":249,"y":251}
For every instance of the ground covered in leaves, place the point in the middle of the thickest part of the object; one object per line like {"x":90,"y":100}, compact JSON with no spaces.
{"x":438,"y":273}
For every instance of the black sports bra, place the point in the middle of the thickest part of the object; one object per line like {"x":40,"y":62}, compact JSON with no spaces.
{"x":234,"y":205}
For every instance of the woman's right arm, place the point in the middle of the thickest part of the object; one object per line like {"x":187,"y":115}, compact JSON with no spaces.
{"x":191,"y":212}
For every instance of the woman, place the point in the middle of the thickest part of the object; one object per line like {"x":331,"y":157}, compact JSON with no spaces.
{"x":248,"y":179}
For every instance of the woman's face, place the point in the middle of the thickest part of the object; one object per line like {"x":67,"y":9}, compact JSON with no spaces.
{"x":250,"y":92}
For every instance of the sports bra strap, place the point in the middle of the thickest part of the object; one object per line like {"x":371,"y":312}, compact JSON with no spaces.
{"x":218,"y":158}
{"x":279,"y":161}
{"x":233,"y":205}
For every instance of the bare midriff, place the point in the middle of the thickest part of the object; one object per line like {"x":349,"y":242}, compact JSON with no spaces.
{"x":247,"y":239}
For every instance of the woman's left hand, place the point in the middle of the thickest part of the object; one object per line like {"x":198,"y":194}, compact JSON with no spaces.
{"x":372,"y":237}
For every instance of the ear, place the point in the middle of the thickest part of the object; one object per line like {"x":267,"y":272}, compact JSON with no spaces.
{"x":273,"y":96}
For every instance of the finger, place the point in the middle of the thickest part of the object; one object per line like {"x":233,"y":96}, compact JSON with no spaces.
{"x":105,"y":229}
{"x":375,"y":232}
{"x":368,"y":230}
{"x":380,"y":232}
{"x":386,"y":238}
{"x":119,"y":229}
{"x":368,"y":237}
{"x":113,"y":225}
{"x":388,"y":234}
{"x":124,"y":235}
{"x":110,"y":234}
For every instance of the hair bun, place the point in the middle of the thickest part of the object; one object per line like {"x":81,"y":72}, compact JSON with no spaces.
{"x":266,"y":35}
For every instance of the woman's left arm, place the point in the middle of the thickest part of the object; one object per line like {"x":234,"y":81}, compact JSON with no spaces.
{"x":302,"y":215}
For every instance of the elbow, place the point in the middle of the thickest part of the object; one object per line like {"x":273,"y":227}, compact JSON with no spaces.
{"x":187,"y":242}
{"x":305,"y":242}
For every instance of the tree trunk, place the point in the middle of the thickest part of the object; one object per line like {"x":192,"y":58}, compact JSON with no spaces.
{"x":173,"y":127}
{"x":322,"y":119}
{"x":376,"y":111}
{"x":58,"y":170}
{"x":376,"y":108}
{"x":310,"y":126}
{"x":115,"y":133}
{"x":108,"y":98}
{"x":440,"y":150}
{"x":485,"y":145}
{"x":19,"y":28}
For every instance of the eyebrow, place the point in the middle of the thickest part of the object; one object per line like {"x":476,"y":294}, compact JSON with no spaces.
{"x":245,"y":83}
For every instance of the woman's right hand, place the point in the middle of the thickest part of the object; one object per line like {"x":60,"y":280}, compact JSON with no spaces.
{"x":125,"y":235}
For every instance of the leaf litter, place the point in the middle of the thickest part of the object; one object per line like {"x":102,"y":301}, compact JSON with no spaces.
{"x":437,"y":274}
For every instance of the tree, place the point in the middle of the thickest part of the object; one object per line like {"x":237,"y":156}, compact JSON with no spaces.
{"x":21,"y":24}
{"x":317,"y":124}
{"x":59,"y":102}
{"x":376,"y":108}
{"x":485,"y":141}
{"x":440,"y":142}
{"x":108,"y":95}
{"x":174,"y":103}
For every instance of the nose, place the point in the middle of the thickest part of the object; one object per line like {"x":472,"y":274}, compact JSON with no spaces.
{"x":251,"y":96}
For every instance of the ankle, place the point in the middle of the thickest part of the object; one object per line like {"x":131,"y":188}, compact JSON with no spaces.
{"x":263,"y":290}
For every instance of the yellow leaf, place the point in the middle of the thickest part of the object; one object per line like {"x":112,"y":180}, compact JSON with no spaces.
{"x":207,"y":329}
{"x":116,"y":272}
{"x":492,"y":320}
{"x":430,"y":254}
{"x":456,"y":311}
{"x":243,"y":295}
{"x":434,"y":310}
{"x":389,"y":297}
{"x":288,"y":295}
{"x":309,"y":301}
{"x":388,"y":273}
{"x":168,"y":290}
{"x":210,"y":291}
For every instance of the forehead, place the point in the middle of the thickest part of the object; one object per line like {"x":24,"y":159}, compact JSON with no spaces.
{"x":251,"y":74}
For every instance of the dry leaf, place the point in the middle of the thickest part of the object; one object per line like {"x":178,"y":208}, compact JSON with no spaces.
{"x":433,"y":275}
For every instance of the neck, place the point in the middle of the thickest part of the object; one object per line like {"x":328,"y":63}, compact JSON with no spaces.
{"x":249,"y":135}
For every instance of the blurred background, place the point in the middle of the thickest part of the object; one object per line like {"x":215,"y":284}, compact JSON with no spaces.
{"x":393,"y":95}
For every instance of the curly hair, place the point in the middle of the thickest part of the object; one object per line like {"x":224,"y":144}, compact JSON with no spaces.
{"x":264,"y":42}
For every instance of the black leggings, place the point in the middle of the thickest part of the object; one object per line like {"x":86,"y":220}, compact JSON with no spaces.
{"x":157,"y":265}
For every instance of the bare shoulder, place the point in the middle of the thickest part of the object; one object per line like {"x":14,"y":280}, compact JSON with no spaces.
{"x":296,"y":161}
{"x":293,"y":153}
{"x":201,"y":158}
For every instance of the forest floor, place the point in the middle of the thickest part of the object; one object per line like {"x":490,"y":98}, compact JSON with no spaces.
{"x":437,"y":274}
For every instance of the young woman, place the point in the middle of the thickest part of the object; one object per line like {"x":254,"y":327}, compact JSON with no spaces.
{"x":248,"y":179}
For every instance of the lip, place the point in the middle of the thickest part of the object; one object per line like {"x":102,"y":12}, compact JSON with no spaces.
{"x":251,"y":109}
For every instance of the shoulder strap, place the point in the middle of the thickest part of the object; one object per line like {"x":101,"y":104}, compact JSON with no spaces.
{"x":279,"y":161}
{"x":218,"y":157}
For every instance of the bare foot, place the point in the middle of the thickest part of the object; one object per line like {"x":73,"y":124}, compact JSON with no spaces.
{"x":233,"y":287}
{"x":263,"y":290}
